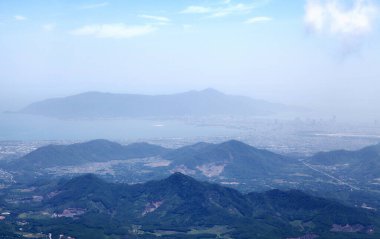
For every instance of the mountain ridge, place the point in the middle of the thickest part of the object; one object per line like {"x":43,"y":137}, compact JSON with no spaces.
{"x":180,"y":201}
{"x":231,"y":158}
{"x":87,"y":152}
{"x":362,"y":164}
{"x":191,"y":103}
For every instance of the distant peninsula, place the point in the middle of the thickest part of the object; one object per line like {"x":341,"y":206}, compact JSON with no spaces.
{"x":208,"y":102}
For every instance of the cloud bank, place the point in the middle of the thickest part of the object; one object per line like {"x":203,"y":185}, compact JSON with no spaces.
{"x":340,"y":17}
{"x":347,"y":24}
{"x":224,"y":9}
{"x":255,"y":20}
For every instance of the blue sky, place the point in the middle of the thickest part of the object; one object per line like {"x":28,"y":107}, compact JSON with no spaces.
{"x":319,"y":53}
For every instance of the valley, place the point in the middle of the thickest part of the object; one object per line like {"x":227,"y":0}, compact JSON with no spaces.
{"x":36,"y":179}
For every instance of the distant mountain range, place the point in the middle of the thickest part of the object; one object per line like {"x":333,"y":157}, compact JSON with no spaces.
{"x":193,"y":103}
{"x":182,"y":207}
{"x":352,"y":176}
{"x":231,"y":161}
{"x":362,"y":165}
{"x":82,"y":153}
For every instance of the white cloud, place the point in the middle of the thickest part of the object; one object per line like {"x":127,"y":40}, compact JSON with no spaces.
{"x":117,"y":31}
{"x":232,"y":9}
{"x":254,"y":20}
{"x":196,"y":10}
{"x":340,"y":17}
{"x":155,"y":18}
{"x":20,"y":18}
{"x":94,"y":5}
{"x":49,"y":27}
{"x":224,"y":8}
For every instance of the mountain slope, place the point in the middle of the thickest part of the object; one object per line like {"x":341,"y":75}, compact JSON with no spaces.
{"x":81,"y":153}
{"x":362,"y":165}
{"x":232,"y":159}
{"x":192,"y":103}
{"x":179,"y":204}
{"x":230,"y":162}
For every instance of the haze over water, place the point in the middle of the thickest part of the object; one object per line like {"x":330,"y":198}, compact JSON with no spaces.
{"x":322,"y":55}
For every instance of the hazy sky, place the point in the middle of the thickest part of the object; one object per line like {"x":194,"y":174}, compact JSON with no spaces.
{"x":319,"y":53}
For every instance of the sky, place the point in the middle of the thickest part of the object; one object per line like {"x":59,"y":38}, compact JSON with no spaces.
{"x":322,"y":54}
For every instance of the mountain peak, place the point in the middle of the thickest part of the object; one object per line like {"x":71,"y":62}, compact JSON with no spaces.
{"x":92,"y":93}
{"x":235,"y":142}
{"x":99,"y":142}
{"x":235,"y":145}
{"x":211,"y":91}
{"x":143,"y":145}
{"x":180,"y":178}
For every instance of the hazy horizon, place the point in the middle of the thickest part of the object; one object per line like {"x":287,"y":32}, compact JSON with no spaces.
{"x":308,"y":111}
{"x":318,"y":54}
